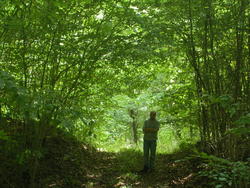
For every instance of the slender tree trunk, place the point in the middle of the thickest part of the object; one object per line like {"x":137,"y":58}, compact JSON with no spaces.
{"x":133,"y":114}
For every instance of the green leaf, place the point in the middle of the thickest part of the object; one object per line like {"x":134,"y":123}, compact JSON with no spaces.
{"x":3,"y":136}
{"x":2,"y":84}
{"x":218,"y":186}
{"x":239,"y":131}
{"x":107,"y":27}
{"x":222,"y":179}
{"x":244,"y":120}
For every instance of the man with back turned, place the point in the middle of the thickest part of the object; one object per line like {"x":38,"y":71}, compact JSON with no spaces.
{"x":150,"y":130}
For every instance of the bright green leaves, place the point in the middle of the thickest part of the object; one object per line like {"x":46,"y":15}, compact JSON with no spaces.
{"x":7,"y":83}
{"x":107,"y":28}
{"x":12,"y":97}
{"x":2,"y":83}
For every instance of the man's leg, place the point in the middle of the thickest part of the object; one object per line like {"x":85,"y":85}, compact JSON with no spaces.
{"x":146,"y":154}
{"x":152,"y":154}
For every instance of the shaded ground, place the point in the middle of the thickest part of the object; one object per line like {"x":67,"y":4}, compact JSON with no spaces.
{"x":66,"y":163}
{"x":113,"y":171}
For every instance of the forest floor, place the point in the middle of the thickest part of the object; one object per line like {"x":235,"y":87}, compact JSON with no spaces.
{"x":111,"y":171}
{"x":67,"y":163}
{"x":73,"y":165}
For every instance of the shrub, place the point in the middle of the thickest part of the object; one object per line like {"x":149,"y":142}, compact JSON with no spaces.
{"x":225,"y":173}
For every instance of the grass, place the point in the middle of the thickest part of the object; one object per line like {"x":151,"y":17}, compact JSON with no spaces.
{"x":167,"y":142}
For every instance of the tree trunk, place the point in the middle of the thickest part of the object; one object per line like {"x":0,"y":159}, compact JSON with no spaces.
{"x":133,"y":114}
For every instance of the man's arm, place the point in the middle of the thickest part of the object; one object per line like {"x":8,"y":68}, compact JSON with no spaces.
{"x":150,"y":130}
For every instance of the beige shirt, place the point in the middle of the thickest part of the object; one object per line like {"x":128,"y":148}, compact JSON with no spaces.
{"x":151,"y":123}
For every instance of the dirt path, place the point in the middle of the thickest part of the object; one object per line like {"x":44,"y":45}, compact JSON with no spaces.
{"x":74,"y":165}
{"x":112,"y":170}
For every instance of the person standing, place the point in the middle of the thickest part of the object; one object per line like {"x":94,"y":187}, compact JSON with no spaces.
{"x":150,"y":130}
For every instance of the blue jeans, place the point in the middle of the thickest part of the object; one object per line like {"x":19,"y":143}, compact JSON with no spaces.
{"x":149,"y":150}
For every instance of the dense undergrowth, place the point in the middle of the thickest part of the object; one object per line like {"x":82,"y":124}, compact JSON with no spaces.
{"x":62,"y":162}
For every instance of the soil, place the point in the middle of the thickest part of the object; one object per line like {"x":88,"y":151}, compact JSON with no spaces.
{"x":67,"y":163}
{"x":76,"y":165}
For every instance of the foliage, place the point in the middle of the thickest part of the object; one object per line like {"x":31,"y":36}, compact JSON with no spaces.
{"x":4,"y":136}
{"x":225,"y":173}
{"x":95,"y":69}
{"x":242,"y":128}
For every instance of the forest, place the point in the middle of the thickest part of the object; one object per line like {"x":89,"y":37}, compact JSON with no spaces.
{"x":78,"y":78}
